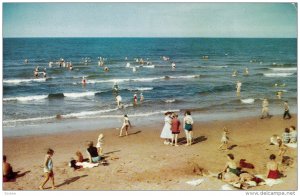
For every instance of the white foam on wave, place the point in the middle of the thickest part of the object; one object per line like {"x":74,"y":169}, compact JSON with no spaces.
{"x":149,"y":66}
{"x":18,"y":81}
{"x":215,"y":66}
{"x":294,"y":69}
{"x":278,"y":74}
{"x":170,"y":100}
{"x":141,"y":89}
{"x":146,"y":79}
{"x":248,"y":101}
{"x":87,"y":113}
{"x":27,"y":98}
{"x":184,"y":77}
{"x":28,"y":119}
{"x":83,"y":94}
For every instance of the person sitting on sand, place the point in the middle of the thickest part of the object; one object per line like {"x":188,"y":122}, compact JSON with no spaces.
{"x":231,"y":166}
{"x":286,"y":136}
{"x":272,"y":168}
{"x":100,"y":144}
{"x":48,"y":169}
{"x":166,"y":132}
{"x":282,"y":148}
{"x":273,"y":140}
{"x":79,"y":162}
{"x":293,"y":134}
{"x":188,"y":127}
{"x":7,"y":171}
{"x":126,"y":124}
{"x":175,"y":128}
{"x":224,"y":139}
{"x":92,"y":153}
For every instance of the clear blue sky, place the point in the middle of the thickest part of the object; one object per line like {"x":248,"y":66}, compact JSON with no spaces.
{"x":149,"y":20}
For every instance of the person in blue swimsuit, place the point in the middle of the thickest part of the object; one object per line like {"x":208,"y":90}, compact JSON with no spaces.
{"x":48,"y":169}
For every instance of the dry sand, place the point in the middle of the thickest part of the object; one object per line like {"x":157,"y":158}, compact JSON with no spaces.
{"x":141,"y":161}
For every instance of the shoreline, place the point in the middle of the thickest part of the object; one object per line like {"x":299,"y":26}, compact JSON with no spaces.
{"x":142,"y":162}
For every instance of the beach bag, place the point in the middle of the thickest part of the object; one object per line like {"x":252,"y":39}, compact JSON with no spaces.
{"x":188,"y":127}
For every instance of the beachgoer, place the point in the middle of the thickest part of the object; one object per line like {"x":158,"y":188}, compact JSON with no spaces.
{"x":83,"y":81}
{"x":7,"y":171}
{"x":126,"y":124}
{"x":133,"y":69}
{"x":44,"y":73}
{"x":273,"y":140}
{"x":106,"y":69}
{"x":293,"y":134}
{"x":116,"y":87}
{"x":279,"y":94}
{"x":48,"y":169}
{"x":141,"y":97}
{"x":265,"y":109}
{"x":175,"y":128}
{"x":246,"y":72}
{"x":100,"y":144}
{"x":282,"y":148}
{"x":231,"y":166}
{"x":286,"y":136}
{"x":286,"y":110}
{"x":173,"y":65}
{"x":166,"y":132}
{"x":135,"y":99}
{"x":79,"y":156}
{"x":238,"y":86}
{"x":188,"y":127}
{"x":50,"y":64}
{"x":224,"y":139}
{"x":118,"y":100}
{"x":36,"y":74}
{"x":234,"y":74}
{"x":26,"y":61}
{"x":272,"y":168}
{"x":92,"y":153}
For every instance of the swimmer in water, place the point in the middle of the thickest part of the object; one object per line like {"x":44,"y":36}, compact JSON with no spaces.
{"x":50,"y":64}
{"x":234,"y":74}
{"x":135,"y":99}
{"x":134,"y":69}
{"x":36,"y":74}
{"x":246,"y":72}
{"x":26,"y":61}
{"x":238,"y":86}
{"x":141,"y":97}
{"x":116,"y":87}
{"x":44,"y":73}
{"x":106,"y":69}
{"x":173,"y":65}
{"x":119,"y":100}
{"x":83,"y":81}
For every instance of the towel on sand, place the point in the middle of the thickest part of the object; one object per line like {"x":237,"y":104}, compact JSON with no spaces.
{"x":195,"y":182}
{"x":269,"y":181}
{"x":291,"y":145}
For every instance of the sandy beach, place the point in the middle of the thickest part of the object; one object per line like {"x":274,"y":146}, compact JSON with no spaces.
{"x":141,"y":161}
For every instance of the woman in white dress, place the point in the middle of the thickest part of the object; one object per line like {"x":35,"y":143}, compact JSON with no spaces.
{"x":166,"y":131}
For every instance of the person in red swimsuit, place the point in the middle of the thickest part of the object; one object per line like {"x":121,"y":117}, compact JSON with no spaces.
{"x":175,"y":128}
{"x":272,"y":168}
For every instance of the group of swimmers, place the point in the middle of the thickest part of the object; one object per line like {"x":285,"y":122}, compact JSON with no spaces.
{"x":36,"y":72}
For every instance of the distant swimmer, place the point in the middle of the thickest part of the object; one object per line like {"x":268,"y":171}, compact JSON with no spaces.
{"x":83,"y":81}
{"x":238,"y":86}
{"x":50,"y":64}
{"x":136,"y":60}
{"x":36,"y":74}
{"x":127,"y":64}
{"x":26,"y":61}
{"x":44,"y":73}
{"x":173,"y":65}
{"x":116,"y":87}
{"x":134,"y":69}
{"x":246,"y":72}
{"x":37,"y":68}
{"x":126,"y":58}
{"x":205,"y":57}
{"x":119,"y":100}
{"x":165,"y":58}
{"x":106,"y":69}
{"x":234,"y":74}
{"x":99,"y":63}
{"x":135,"y":99}
{"x":141,"y":97}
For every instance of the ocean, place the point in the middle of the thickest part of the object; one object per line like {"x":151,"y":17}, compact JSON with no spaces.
{"x":201,"y":82}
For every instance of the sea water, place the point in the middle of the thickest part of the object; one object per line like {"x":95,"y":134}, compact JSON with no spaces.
{"x":201,"y":81}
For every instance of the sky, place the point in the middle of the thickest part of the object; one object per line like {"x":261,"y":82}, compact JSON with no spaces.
{"x":278,"y":20}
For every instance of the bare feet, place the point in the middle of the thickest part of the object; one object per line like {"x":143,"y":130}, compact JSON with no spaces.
{"x":41,"y":188}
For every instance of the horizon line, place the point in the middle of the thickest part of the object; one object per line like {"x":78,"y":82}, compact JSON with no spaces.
{"x":158,"y":37}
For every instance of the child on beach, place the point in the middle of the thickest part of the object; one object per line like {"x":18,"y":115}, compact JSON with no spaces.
{"x":224,"y":139}
{"x":175,"y":128}
{"x":99,"y":144}
{"x":48,"y":169}
{"x":126,"y":124}
{"x":188,"y":127}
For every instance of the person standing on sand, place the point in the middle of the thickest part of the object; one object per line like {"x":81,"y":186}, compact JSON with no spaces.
{"x":48,"y":169}
{"x":166,"y":132}
{"x":286,"y":110}
{"x":265,"y":109}
{"x":126,"y":124}
{"x":175,"y":128}
{"x":272,"y":168}
{"x":188,"y":127}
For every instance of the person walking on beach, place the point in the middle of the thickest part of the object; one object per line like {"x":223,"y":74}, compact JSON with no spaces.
{"x":265,"y":109}
{"x":126,"y":124}
{"x":166,"y":132}
{"x":99,"y":145}
{"x":224,"y":139}
{"x":188,"y":127}
{"x":286,"y":110}
{"x":175,"y":128}
{"x":48,"y":169}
